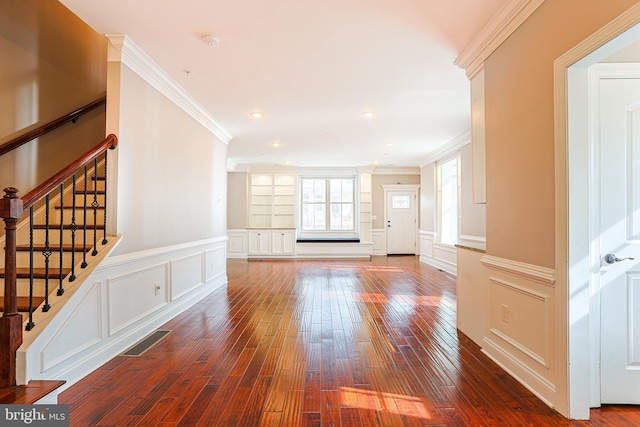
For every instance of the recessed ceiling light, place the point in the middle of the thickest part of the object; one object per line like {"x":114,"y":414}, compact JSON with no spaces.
{"x":276,"y":144}
{"x":256,"y":114}
{"x":211,"y":40}
{"x":287,"y":162}
{"x":367,"y":114}
{"x":389,"y":144}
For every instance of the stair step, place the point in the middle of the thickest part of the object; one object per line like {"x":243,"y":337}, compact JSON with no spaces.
{"x":38,"y":273}
{"x":30,"y":393}
{"x":23,"y":303}
{"x":67,"y":226}
{"x":98,"y":178}
{"x":53,"y":248}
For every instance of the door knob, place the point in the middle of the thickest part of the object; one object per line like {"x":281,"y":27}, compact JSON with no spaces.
{"x":611,"y":258}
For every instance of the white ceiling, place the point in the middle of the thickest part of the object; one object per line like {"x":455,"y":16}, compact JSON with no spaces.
{"x":312,"y":68}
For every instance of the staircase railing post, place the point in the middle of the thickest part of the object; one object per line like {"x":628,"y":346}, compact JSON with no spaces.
{"x":11,"y":208}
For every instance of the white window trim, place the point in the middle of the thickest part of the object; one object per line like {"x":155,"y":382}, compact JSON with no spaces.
{"x":330,"y":234}
{"x":456,"y":155}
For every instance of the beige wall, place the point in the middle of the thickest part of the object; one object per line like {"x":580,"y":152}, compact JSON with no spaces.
{"x":520,"y":126}
{"x":377,"y":193}
{"x":237,"y":200}
{"x":170,"y":167}
{"x":473,"y":215}
{"x":428,"y":197}
{"x":51,"y":64}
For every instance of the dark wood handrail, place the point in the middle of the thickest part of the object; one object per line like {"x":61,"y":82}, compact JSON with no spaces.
{"x":110,"y":142}
{"x":48,"y":127}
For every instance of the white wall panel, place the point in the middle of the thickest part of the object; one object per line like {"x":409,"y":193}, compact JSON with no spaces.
{"x":513,"y":309}
{"x":82,"y":329}
{"x":186,"y":274}
{"x":132,"y":296}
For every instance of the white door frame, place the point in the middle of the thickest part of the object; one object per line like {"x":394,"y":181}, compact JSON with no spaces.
{"x":401,"y":187}
{"x":577,"y":281}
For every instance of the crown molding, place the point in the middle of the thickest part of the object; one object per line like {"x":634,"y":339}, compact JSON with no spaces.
{"x":498,"y":29}
{"x":385,"y":170}
{"x":447,"y":149}
{"x":123,"y":49}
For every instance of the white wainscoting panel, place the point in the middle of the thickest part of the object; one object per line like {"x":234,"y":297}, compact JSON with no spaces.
{"x":438,"y":255}
{"x":186,"y":274}
{"x":117,"y":305}
{"x":82,"y":329}
{"x":520,"y":335}
{"x":513,"y":310}
{"x":134,"y":295}
{"x":215,"y":264}
{"x":378,"y":240}
{"x":238,"y":244}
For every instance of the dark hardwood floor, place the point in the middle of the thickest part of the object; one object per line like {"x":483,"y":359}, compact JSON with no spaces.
{"x":289,"y":343}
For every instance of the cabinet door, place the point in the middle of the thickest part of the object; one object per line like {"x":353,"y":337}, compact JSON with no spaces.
{"x":283,"y":242}
{"x":259,"y":242}
{"x":277,"y":238}
{"x":288,"y":242}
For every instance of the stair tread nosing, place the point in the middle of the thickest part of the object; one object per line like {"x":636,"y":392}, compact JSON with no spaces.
{"x":23,"y":303}
{"x":38,"y":273}
{"x":30,"y":393}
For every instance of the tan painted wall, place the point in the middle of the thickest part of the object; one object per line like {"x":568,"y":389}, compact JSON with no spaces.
{"x":473,"y":215}
{"x":377,"y":193}
{"x":428,"y":197}
{"x":519,"y":126}
{"x":51,"y":64}
{"x":182,"y":186}
{"x":237,"y":200}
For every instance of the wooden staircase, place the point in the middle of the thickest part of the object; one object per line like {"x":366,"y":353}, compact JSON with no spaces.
{"x":41,"y":259}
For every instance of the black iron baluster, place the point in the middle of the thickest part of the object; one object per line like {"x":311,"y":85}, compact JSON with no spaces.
{"x":46,"y":252}
{"x":60,"y":288}
{"x":104,"y":202}
{"x":95,"y":205}
{"x":30,"y":323}
{"x":73,"y":227}
{"x":84,"y":210}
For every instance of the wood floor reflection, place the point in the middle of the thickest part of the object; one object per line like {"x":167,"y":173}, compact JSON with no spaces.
{"x":318,"y":343}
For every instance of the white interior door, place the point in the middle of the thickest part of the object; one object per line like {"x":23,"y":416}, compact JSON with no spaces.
{"x":619,"y":133}
{"x":401,"y":223}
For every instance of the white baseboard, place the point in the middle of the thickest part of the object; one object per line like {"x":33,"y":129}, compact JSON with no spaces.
{"x":535,"y":383}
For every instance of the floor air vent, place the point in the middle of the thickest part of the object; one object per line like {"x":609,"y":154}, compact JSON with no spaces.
{"x":144,"y":345}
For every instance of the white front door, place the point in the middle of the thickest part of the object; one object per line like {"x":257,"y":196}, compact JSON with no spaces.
{"x":619,"y":140}
{"x":401,"y":222}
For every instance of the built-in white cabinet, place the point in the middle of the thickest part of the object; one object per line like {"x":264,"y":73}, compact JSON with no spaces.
{"x":272,"y":242}
{"x":272,"y":200}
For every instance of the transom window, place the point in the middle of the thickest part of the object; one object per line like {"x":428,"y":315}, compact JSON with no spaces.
{"x":328,"y":204}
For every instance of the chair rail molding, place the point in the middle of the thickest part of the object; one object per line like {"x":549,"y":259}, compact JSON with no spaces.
{"x":543,"y":275}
